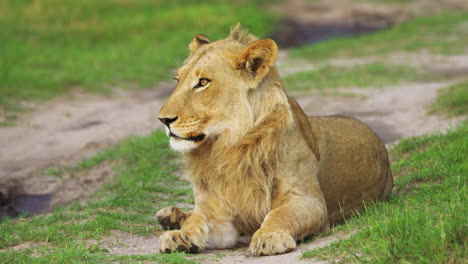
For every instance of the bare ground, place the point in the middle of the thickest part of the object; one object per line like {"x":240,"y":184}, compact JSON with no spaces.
{"x":62,"y":132}
{"x":393,"y":113}
{"x":122,"y":243}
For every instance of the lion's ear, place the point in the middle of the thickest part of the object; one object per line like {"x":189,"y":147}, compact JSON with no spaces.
{"x":257,"y":59}
{"x":197,"y":41}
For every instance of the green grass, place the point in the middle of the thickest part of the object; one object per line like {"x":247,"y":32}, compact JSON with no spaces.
{"x":452,"y":101}
{"x":144,"y":184}
{"x":52,"y":47}
{"x":442,"y":34}
{"x":80,"y":254}
{"x":425,"y":219}
{"x":370,"y":75}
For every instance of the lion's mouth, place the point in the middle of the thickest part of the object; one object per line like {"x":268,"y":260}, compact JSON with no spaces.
{"x":191,"y":138}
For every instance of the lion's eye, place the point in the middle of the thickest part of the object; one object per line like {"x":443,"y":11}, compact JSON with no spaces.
{"x":202,"y":83}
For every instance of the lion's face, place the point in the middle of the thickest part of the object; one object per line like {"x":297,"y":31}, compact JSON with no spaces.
{"x":211,"y":96}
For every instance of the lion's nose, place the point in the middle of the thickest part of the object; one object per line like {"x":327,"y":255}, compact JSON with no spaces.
{"x":167,"y":121}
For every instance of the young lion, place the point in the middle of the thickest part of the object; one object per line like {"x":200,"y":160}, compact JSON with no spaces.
{"x":258,"y":164}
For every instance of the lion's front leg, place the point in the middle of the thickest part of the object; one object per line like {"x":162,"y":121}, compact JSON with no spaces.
{"x":202,"y":229}
{"x":192,"y":237}
{"x":284,"y":225}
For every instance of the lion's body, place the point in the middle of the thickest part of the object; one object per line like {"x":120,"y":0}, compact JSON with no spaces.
{"x":353,"y":167}
{"x":258,"y":164}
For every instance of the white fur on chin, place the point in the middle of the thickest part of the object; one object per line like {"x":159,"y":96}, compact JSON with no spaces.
{"x":182,"y":145}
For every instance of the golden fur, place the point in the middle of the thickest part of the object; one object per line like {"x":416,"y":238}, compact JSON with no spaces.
{"x":258,"y":164}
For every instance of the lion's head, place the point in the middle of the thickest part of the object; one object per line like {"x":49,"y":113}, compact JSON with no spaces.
{"x":216,"y":89}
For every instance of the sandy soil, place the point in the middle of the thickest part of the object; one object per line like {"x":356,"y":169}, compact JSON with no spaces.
{"x":241,"y":254}
{"x":122,"y":243}
{"x":393,"y":113}
{"x":62,"y":132}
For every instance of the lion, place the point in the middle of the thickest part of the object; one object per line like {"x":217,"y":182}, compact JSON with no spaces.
{"x":258,"y":164}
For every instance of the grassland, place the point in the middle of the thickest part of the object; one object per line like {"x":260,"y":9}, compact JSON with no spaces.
{"x":52,"y":47}
{"x":442,"y":34}
{"x":452,"y":101}
{"x":91,"y":46}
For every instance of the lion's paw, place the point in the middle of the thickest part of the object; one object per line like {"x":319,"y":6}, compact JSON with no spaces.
{"x":271,"y":243}
{"x":178,"y":240}
{"x":171,"y":218}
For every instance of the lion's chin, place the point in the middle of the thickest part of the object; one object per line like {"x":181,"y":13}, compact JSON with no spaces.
{"x":182,"y":145}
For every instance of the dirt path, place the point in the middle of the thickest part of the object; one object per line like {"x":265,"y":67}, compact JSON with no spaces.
{"x":121,"y":243}
{"x":70,"y":129}
{"x":393,"y":113}
{"x":62,"y":132}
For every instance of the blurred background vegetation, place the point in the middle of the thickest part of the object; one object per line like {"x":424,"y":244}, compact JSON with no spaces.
{"x":52,"y":47}
{"x":48,"y":47}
